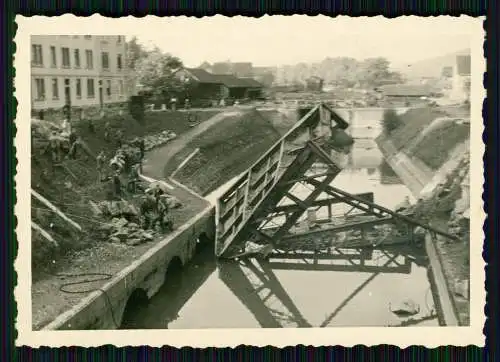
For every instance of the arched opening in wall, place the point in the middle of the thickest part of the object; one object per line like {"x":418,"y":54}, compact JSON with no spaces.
{"x":173,"y":275}
{"x":203,"y":242}
{"x":137,"y":300}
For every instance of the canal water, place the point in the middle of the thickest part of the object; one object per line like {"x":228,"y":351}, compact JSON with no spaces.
{"x":334,"y":292}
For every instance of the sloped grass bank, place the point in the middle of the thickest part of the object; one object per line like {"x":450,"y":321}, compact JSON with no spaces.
{"x":435,"y":147}
{"x":226,"y":150}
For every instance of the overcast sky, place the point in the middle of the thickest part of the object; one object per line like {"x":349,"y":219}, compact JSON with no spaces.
{"x":278,"y":40}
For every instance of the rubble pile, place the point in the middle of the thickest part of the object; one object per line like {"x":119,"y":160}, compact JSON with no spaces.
{"x":459,"y":220}
{"x":158,"y":139}
{"x":124,"y":221}
{"x":120,"y":230}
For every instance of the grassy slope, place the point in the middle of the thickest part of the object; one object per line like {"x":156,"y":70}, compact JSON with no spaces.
{"x":71,"y":191}
{"x":435,"y":147}
{"x":226,"y":150}
{"x":414,"y":121}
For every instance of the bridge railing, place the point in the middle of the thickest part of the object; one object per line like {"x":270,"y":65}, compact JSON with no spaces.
{"x":238,"y":203}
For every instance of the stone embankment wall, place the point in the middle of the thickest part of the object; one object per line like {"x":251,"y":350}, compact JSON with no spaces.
{"x":444,"y":201}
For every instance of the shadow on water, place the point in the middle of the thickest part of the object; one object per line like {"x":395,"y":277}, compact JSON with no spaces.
{"x":180,"y":285}
{"x":255,"y":284}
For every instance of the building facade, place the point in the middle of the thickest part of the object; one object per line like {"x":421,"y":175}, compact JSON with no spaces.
{"x":83,"y":70}
{"x":461,"y":79}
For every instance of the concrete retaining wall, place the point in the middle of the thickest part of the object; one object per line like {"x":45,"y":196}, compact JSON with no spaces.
{"x":103,"y":309}
{"x":420,"y":180}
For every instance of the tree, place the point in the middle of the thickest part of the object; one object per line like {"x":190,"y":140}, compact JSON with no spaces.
{"x":391,"y":121}
{"x":155,"y":72}
{"x":374,"y":72}
{"x":135,"y":52}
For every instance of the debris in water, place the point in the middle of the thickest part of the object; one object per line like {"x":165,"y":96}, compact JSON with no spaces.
{"x":253,"y":249}
{"x":405,"y":308}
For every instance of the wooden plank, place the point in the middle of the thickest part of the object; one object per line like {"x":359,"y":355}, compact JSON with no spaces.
{"x":44,"y":233}
{"x":47,"y":203}
{"x":185,"y":161}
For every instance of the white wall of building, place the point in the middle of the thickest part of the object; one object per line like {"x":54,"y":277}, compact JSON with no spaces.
{"x":79,"y":75}
{"x":460,"y":86}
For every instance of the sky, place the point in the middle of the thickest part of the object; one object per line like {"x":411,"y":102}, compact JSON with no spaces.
{"x":279,"y":40}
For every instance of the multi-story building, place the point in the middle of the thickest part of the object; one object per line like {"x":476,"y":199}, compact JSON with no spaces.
{"x":461,"y":79}
{"x":83,"y":70}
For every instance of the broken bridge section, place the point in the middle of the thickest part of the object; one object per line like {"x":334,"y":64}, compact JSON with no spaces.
{"x":267,"y":205}
{"x":264,"y":184}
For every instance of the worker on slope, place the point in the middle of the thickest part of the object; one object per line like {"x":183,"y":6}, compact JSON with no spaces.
{"x":107,"y":130}
{"x":119,"y":138}
{"x":163,"y":215}
{"x":133,"y":179}
{"x":147,"y":209}
{"x":117,"y":185}
{"x":100,"y":160}
{"x":55,"y":147}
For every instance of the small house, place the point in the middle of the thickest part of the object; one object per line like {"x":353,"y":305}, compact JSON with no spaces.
{"x":202,"y":84}
{"x":406,"y":94}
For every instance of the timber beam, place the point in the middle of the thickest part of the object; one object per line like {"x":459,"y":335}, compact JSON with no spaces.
{"x":379,"y":210}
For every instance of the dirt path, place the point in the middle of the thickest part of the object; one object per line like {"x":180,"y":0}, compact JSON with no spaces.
{"x":161,"y":155}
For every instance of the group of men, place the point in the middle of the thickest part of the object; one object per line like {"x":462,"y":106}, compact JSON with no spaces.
{"x":64,"y":142}
{"x":154,"y":206}
{"x":155,"y":209}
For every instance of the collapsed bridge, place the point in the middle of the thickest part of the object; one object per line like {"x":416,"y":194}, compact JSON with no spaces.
{"x":263,"y":208}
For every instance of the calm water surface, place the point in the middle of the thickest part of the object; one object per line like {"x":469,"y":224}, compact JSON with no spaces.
{"x":337,"y":291}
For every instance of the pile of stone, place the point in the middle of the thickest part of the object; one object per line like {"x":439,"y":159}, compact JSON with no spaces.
{"x":153,"y":141}
{"x":116,"y":209}
{"x":459,"y":223}
{"x":120,"y":230}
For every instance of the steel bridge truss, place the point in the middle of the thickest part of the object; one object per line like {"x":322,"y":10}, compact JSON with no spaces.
{"x":268,"y":203}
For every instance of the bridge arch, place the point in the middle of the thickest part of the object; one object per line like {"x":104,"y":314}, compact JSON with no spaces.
{"x":138,"y":298}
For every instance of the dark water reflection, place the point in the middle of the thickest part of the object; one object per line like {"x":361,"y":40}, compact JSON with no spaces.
{"x":343,"y":288}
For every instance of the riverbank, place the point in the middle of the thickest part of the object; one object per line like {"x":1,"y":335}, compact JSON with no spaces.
{"x":429,"y":153}
{"x":71,"y":187}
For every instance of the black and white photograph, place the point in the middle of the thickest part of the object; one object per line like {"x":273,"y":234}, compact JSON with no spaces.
{"x":231,"y":176}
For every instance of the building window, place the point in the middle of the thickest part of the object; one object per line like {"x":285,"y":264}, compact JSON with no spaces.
{"x":78,"y":88}
{"x":119,"y":40}
{"x":53,"y":57}
{"x":77,"y":58}
{"x":105,"y":60}
{"x":119,"y":62}
{"x":40,"y":89}
{"x":90,"y":88}
{"x":55,"y":89}
{"x":87,"y":36}
{"x":108,"y":88}
{"x":65,"y":58}
{"x":120,"y":87}
{"x":36,"y":55}
{"x":89,"y":58}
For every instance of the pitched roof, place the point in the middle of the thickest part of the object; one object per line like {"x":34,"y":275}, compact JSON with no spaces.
{"x":463,"y":64}
{"x":228,"y":80}
{"x":252,"y":82}
{"x":231,"y":81}
{"x":409,"y":90}
{"x":203,"y":76}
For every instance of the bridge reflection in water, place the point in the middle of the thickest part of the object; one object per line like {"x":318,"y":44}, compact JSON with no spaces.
{"x":337,"y":287}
